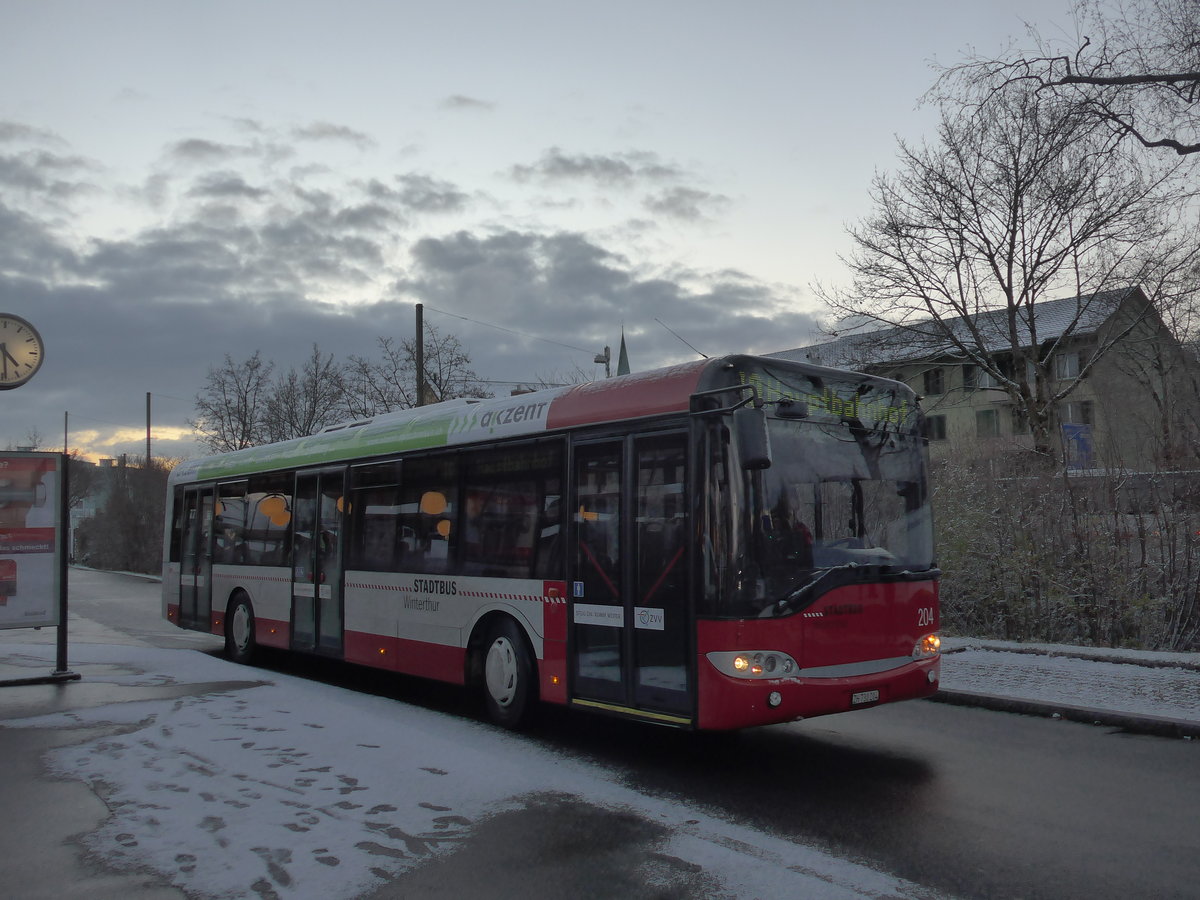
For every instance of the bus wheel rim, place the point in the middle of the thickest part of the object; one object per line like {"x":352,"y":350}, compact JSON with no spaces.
{"x":500,"y":671}
{"x":241,"y":627}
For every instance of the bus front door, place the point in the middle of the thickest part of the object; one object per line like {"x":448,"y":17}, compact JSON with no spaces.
{"x":195,"y":568}
{"x":629,"y":612}
{"x":317,"y":562}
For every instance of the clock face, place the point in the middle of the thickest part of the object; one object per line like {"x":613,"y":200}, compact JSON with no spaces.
{"x":21,"y":351}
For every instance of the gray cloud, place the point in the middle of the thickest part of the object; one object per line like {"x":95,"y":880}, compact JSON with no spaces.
{"x":17,"y":131}
{"x":422,"y":193}
{"x":198,"y":150}
{"x":328,"y":131}
{"x":565,"y":287}
{"x":29,"y":247}
{"x":36,"y":172}
{"x":612,"y":170}
{"x":266,"y":262}
{"x":459,"y":101}
{"x":227,"y":185}
{"x":686,"y":203}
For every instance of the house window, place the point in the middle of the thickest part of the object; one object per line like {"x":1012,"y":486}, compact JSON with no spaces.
{"x":987,"y":423}
{"x":935,"y":428}
{"x":934,"y":382}
{"x":1020,"y":421}
{"x":1077,"y":412}
{"x":1066,"y":366}
{"x":970,"y":377}
{"x":985,"y":379}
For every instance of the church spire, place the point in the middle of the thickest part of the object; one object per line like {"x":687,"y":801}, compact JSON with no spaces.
{"x":623,"y":357}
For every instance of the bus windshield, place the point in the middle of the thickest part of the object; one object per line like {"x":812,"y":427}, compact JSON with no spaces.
{"x":845,"y":499}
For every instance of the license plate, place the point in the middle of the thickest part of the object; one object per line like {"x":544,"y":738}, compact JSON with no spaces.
{"x":864,"y":697}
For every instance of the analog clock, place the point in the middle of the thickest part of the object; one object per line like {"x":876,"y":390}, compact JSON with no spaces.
{"x":21,"y":351}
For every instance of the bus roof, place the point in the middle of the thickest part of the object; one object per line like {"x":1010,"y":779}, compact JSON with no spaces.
{"x":455,"y":422}
{"x":464,"y":421}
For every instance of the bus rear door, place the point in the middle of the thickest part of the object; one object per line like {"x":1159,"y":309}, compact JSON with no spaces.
{"x":195,"y":567}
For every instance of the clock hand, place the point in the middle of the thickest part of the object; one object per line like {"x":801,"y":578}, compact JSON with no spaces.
{"x":6,"y":356}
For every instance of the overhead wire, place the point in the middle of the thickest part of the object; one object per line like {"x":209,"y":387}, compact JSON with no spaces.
{"x":532,"y":337}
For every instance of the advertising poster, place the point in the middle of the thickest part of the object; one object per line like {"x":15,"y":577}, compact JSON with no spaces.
{"x":30,"y":501}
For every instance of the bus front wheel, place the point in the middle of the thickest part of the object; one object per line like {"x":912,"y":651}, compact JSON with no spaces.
{"x":509,"y":679}
{"x":239,"y":630}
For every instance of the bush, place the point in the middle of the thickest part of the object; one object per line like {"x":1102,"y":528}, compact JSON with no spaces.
{"x":1103,"y":559}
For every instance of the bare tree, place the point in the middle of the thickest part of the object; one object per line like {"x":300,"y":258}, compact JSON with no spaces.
{"x":302,"y":403}
{"x":126,"y":534}
{"x":561,"y":377}
{"x":241,"y":406}
{"x":81,"y":478}
{"x":231,"y":410}
{"x":1135,"y":68}
{"x":448,"y":372}
{"x":1029,"y":203}
{"x":374,"y":386}
{"x":34,"y":440}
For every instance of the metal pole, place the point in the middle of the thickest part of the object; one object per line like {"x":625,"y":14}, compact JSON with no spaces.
{"x":420,"y":354}
{"x":147,"y":431}
{"x":61,"y":673}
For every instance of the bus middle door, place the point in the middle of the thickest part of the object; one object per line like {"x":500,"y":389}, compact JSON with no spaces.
{"x":317,"y":562}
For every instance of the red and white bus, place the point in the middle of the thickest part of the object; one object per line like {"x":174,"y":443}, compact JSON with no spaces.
{"x":732,"y":542}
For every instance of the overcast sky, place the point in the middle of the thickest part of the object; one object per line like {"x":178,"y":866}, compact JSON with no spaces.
{"x":179,"y":181}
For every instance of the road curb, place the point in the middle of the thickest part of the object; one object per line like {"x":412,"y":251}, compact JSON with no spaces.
{"x":1136,"y":723}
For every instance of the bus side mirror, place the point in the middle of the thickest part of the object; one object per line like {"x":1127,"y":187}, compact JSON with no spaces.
{"x":791,"y":409}
{"x":754,"y":444}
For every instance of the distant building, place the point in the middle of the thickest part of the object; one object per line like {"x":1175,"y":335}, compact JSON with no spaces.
{"x":1132,"y":405}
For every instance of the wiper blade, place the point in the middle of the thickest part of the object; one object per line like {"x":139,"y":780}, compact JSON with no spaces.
{"x":798,"y":594}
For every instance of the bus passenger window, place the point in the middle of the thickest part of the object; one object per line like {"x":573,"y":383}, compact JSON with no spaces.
{"x":375,"y":509}
{"x":268,"y":532}
{"x":597,"y":522}
{"x":508,"y":521}
{"x":428,"y":512}
{"x":230,"y":524}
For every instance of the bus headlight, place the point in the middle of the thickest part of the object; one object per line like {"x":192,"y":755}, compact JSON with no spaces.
{"x":927,"y":647}
{"x":754,"y":663}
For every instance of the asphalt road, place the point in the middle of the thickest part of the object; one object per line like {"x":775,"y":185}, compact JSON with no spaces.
{"x":966,"y":801}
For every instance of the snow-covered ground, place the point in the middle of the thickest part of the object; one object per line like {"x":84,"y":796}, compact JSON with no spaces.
{"x":1128,"y":681}
{"x":291,"y":788}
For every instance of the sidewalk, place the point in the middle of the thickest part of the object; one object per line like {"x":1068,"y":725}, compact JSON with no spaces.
{"x":1140,"y":692}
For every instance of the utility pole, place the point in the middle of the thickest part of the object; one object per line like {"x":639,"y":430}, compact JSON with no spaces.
{"x":147,"y":431}
{"x":420,"y":354}
{"x":606,"y":359}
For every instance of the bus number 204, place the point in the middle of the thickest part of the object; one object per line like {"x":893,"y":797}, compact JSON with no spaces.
{"x":924,"y":616}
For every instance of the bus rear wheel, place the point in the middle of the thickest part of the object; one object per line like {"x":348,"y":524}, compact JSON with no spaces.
{"x":509,"y":679}
{"x":239,"y":630}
